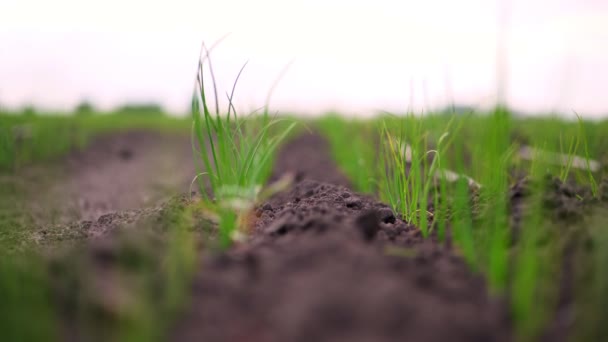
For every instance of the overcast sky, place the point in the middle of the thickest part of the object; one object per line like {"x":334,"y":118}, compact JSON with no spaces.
{"x":352,"y":56}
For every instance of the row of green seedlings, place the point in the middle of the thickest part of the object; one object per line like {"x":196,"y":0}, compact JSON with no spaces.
{"x":561,"y":149}
{"x":237,"y":154}
{"x":411,"y":175}
{"x":390,"y":162}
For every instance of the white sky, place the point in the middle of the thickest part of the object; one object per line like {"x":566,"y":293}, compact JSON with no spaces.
{"x":353,"y":56}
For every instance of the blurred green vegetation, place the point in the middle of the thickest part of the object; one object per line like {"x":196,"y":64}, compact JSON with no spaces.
{"x":353,"y":144}
{"x":126,"y":287}
{"x":28,"y":137}
{"x":160,"y":259}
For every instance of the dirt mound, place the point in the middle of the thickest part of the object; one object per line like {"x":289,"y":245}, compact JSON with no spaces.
{"x":327,"y":264}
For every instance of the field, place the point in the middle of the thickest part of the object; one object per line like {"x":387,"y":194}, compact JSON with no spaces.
{"x":223,"y":227}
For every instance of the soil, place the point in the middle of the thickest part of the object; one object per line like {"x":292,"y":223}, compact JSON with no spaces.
{"x":119,"y":177}
{"x":324,"y":263}
{"x":124,"y":171}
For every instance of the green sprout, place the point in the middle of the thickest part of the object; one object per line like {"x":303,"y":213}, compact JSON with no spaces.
{"x":237,"y":153}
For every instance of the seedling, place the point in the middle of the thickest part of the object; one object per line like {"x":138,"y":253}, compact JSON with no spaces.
{"x":407,"y":174}
{"x":236,"y":152}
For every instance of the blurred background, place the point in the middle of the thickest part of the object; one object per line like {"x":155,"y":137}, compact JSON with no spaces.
{"x":355,"y":57}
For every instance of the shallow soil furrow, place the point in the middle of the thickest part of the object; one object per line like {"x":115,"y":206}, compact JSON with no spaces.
{"x":326,"y":264}
{"x":113,"y":181}
{"x":124,"y":171}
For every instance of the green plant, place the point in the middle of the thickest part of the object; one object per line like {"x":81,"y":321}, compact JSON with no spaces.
{"x":236,"y":152}
{"x":462,"y":214}
{"x":408,"y":176}
{"x":570,"y":156}
{"x":581,"y":127}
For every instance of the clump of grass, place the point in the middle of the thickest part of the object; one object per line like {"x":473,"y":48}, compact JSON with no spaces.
{"x":495,"y":157}
{"x":581,"y":133}
{"x":462,"y":215}
{"x":237,"y":152}
{"x":407,"y":174}
{"x":572,"y":147}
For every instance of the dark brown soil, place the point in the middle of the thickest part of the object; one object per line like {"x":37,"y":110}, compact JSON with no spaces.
{"x":327,"y":264}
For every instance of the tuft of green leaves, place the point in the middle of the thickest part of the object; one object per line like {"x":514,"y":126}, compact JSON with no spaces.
{"x":237,"y":152}
{"x":409,"y":167}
